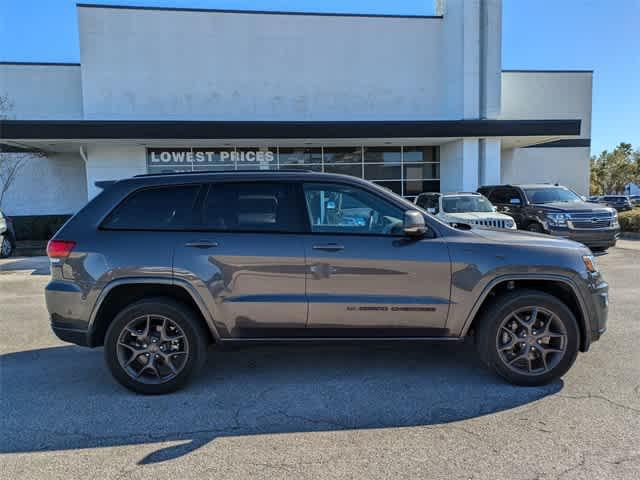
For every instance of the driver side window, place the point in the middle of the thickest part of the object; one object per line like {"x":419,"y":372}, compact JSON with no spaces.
{"x":344,"y":209}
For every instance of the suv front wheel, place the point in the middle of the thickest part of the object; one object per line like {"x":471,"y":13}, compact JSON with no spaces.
{"x":528,"y":337}
{"x":155,"y":345}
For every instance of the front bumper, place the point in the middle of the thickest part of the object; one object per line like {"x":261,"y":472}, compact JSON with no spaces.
{"x":596,"y":238}
{"x":599,"y":308}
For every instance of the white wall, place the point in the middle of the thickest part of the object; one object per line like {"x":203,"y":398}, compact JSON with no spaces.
{"x":459,"y":166}
{"x":548,"y":95}
{"x":113,"y":162}
{"x":146,"y":64}
{"x":51,"y":92}
{"x":566,"y":166}
{"x":47,"y":186}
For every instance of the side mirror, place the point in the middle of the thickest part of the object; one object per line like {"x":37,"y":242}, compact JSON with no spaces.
{"x":494,"y":208}
{"x":413,"y":224}
{"x":514,"y":201}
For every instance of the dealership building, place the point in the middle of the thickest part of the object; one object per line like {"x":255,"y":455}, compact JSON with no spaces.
{"x":414,"y":103}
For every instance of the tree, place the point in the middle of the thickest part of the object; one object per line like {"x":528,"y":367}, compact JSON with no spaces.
{"x":612,"y":171}
{"x":11,"y":163}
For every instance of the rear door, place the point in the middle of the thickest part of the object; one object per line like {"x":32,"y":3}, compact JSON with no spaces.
{"x":508,"y":200}
{"x":365,"y":278}
{"x":246,"y":258}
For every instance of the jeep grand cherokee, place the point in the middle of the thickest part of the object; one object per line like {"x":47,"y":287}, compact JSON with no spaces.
{"x":157,"y":267}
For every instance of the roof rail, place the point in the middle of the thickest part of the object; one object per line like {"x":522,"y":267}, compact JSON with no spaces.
{"x":208,"y":172}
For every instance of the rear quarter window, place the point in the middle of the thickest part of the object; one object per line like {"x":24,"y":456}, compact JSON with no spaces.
{"x":161,"y":208}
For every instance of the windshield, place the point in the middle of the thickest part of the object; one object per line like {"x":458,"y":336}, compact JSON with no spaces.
{"x":466,"y":203}
{"x":551,"y":195}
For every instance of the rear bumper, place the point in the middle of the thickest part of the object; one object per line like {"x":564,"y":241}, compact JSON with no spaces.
{"x":598,"y":238}
{"x":71,"y":335}
{"x":69,"y":311}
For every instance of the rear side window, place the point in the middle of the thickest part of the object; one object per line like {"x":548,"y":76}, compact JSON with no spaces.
{"x":253,"y":207}
{"x":504,"y":196}
{"x":164,"y":208}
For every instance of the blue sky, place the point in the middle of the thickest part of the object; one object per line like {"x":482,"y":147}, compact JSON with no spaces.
{"x":537,"y":34}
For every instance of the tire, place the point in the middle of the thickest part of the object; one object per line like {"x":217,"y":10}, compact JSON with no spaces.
{"x":535,"y":228}
{"x":493,"y":338}
{"x":188,"y":335}
{"x":6,"y":247}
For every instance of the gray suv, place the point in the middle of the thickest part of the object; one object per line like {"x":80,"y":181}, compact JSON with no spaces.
{"x":157,"y":267}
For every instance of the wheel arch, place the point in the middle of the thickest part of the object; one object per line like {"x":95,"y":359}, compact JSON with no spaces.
{"x":122,"y":292}
{"x":561,"y":287}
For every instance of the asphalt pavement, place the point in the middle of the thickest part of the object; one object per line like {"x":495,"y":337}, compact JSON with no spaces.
{"x":395,"y":411}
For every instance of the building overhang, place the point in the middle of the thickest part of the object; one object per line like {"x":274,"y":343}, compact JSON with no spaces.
{"x":193,"y":130}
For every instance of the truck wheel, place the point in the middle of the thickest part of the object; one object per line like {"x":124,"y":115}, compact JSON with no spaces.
{"x":535,"y":227}
{"x":155,"y":345}
{"x":528,"y":337}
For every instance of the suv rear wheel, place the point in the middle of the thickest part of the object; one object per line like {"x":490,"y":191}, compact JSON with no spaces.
{"x":528,"y":337}
{"x":155,"y":345}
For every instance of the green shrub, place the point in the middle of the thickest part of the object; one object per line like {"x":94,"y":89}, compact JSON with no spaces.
{"x":630,"y":221}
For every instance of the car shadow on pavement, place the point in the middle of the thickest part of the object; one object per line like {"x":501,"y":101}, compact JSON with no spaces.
{"x":63,"y":398}
{"x":37,"y":265}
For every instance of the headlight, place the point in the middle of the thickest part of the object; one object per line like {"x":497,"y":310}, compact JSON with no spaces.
{"x":614,"y":220}
{"x":509,"y":224}
{"x":590,"y":263}
{"x":557,"y":218}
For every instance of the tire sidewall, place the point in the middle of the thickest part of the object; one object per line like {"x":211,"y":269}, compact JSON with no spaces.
{"x":535,"y":228}
{"x":494,"y":317}
{"x":178,"y":313}
{"x":6,"y":244}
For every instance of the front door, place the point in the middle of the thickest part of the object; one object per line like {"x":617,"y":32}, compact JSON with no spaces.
{"x":365,"y":278}
{"x":247,"y":259}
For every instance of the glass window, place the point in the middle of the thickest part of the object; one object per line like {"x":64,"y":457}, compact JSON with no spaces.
{"x":165,"y":208}
{"x":249,"y":207}
{"x":348,"y":210}
{"x":382,"y":172}
{"x":420,"y":154}
{"x":386,"y":155}
{"x":395,"y":187}
{"x":427,"y":201}
{"x":419,"y":171}
{"x":289,"y":157}
{"x":466,"y":203}
{"x":416,"y":187}
{"x":552,"y":194}
{"x":353,"y":170}
{"x":504,"y":196}
{"x":342,"y":155}
{"x":255,"y":158}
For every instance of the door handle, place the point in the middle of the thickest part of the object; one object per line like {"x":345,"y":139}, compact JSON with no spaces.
{"x":329,"y":247}
{"x":201,"y":244}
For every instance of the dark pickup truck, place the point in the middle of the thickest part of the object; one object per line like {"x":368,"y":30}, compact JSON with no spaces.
{"x":556,"y":210}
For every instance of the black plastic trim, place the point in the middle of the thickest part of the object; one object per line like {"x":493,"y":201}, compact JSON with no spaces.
{"x":547,"y":71}
{"x":162,"y":130}
{"x":42,"y":64}
{"x":261,"y":12}
{"x":566,"y":143}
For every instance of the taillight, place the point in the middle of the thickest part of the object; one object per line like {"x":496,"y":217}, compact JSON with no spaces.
{"x":60,"y":248}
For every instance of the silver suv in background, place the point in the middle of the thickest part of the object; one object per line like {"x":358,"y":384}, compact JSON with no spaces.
{"x":157,"y":267}
{"x":7,"y":236}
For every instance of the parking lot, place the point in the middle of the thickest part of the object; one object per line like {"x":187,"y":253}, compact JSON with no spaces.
{"x":418,"y":411}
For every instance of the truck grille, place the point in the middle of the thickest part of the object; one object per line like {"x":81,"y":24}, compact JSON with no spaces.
{"x":491,"y":223}
{"x":590,"y":220}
